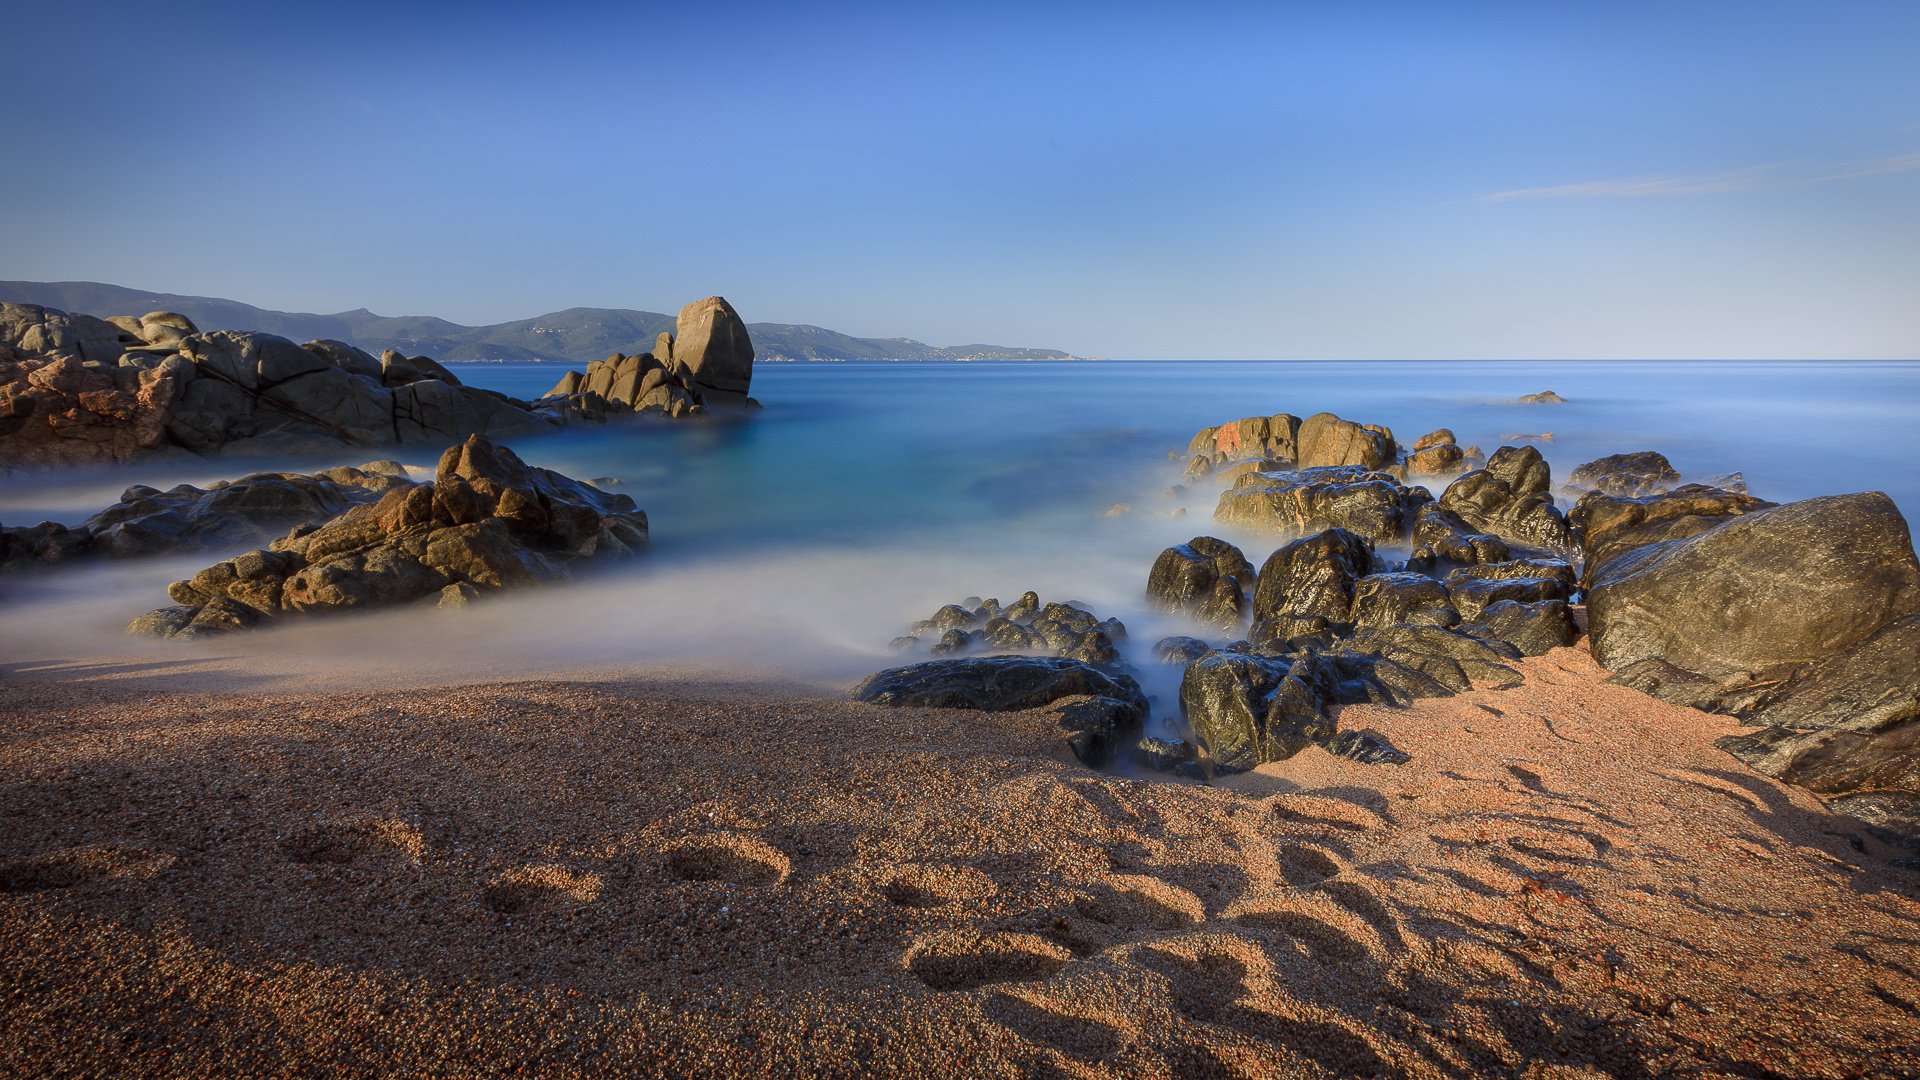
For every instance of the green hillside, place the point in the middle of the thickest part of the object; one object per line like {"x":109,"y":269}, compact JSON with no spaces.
{"x":573,"y":336}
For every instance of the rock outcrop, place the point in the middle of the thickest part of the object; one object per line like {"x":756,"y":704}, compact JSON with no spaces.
{"x":487,"y":522}
{"x":253,"y":509}
{"x":1206,"y":579}
{"x":1627,"y":476}
{"x":1068,"y":631}
{"x":1363,"y":501}
{"x":76,"y":390}
{"x":1095,"y":728}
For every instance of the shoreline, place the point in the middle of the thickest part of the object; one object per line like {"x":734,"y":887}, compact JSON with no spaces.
{"x":665,"y":874}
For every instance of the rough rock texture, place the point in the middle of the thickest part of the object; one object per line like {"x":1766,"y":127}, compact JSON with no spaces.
{"x":1870,"y":687}
{"x":1094,"y":729}
{"x":1657,"y":678}
{"x":1449,"y":657}
{"x":1251,"y":438}
{"x":1180,"y":650}
{"x":488,"y":520}
{"x":1364,"y":502}
{"x":1762,"y":594}
{"x":85,"y":391}
{"x":1510,"y":499}
{"x":1610,"y":526}
{"x":1314,"y":575}
{"x":711,"y":345}
{"x":1203,"y":578}
{"x":1474,"y":588}
{"x":1443,"y":461}
{"x":1627,"y":476}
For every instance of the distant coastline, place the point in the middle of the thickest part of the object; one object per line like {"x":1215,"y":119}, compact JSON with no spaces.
{"x":574,"y":336}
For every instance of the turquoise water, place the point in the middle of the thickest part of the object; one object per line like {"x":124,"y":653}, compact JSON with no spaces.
{"x":799,"y":539}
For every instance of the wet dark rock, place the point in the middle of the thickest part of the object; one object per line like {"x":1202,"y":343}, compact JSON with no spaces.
{"x":1535,"y":629}
{"x":1004,"y":633}
{"x":1625,"y":475}
{"x":1510,"y":499}
{"x":1892,"y":817}
{"x":1448,"y":657}
{"x":1472,"y":593}
{"x":954,"y":617}
{"x":1364,"y":749}
{"x":1833,"y":762}
{"x":1678,"y":686}
{"x":951,"y":642}
{"x":1366,"y":678}
{"x":1872,"y":686}
{"x":1611,"y":526}
{"x":903,"y":644}
{"x":254,"y":509}
{"x":1013,"y":683}
{"x":1381,"y":600}
{"x":1180,"y":650}
{"x":1203,"y":578}
{"x":1314,"y":575}
{"x":1370,"y":504}
{"x":1161,"y":755}
{"x":1761,"y":595}
{"x":1288,"y":632}
{"x":1446,"y":535}
{"x":1250,"y":709}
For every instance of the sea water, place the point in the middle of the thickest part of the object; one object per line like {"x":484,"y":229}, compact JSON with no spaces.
{"x":803,"y":537}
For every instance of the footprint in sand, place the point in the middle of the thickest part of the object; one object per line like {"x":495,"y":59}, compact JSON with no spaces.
{"x":373,"y":840}
{"x":78,"y":866}
{"x":930,"y":885}
{"x":535,"y":888}
{"x":964,"y":960}
{"x":730,"y":858}
{"x":1083,"y":1037}
{"x":1214,"y":987}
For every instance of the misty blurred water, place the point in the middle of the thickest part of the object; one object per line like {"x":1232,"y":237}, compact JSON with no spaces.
{"x":866,"y":495}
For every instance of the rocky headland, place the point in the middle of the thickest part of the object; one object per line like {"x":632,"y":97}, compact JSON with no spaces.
{"x":78,"y":390}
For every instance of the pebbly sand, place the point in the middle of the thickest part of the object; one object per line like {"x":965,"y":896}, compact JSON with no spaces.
{"x":648,"y":872}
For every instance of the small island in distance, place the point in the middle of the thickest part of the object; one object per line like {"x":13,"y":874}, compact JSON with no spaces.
{"x":575,"y":336}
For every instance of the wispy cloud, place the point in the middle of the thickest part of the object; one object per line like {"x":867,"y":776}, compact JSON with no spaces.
{"x":1775,"y":177}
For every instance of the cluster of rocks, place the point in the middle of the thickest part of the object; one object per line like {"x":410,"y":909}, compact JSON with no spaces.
{"x":1331,"y":625}
{"x":77,"y":390}
{"x":487,"y":522}
{"x":1286,"y":443}
{"x":1069,"y":630}
{"x":711,"y":358}
{"x":254,"y":509}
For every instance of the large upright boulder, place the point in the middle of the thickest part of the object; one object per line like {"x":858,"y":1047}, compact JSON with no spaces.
{"x":1760,"y":595}
{"x":1325,"y":439}
{"x":711,"y":344}
{"x":1202,"y":578}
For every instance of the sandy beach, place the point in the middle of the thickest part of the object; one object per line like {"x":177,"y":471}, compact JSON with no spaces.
{"x":658,"y":873}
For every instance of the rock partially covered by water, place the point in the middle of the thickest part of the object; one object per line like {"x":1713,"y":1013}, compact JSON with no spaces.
{"x":1358,"y":499}
{"x":1066,"y":630}
{"x":1626,"y":476}
{"x":1205,"y":579}
{"x":1510,"y":499}
{"x":1094,"y":729}
{"x":488,"y":521}
{"x":1611,"y":526}
{"x":1760,"y":595}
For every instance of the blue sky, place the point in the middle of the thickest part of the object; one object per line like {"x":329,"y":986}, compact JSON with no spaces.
{"x":1735,"y":179}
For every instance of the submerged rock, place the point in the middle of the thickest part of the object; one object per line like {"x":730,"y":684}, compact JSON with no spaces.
{"x":1628,"y":476}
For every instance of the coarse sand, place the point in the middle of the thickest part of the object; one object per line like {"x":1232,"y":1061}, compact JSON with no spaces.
{"x":648,"y":874}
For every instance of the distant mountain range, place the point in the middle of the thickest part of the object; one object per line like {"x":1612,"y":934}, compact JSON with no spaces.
{"x":575,"y":336}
